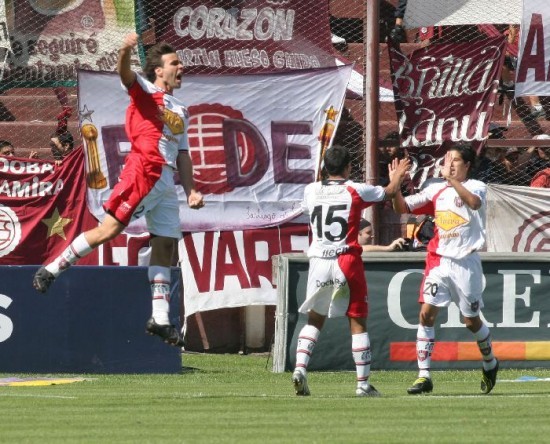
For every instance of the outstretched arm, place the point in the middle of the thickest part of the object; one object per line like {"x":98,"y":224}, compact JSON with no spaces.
{"x":396,"y":245}
{"x":396,"y":170}
{"x":398,"y":201}
{"x":127,"y":76}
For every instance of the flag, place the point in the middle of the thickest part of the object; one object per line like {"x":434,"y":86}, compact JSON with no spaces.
{"x":518,"y":219}
{"x":42,"y":208}
{"x":446,"y":92}
{"x":533,"y":71}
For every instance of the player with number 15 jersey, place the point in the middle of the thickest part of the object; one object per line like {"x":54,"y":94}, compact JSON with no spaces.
{"x":335,"y":208}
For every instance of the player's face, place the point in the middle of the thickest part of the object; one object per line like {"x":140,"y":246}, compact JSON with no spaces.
{"x":459,"y":168}
{"x":171,"y":72}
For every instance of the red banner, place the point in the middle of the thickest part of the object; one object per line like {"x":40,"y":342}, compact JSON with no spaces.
{"x":42,"y":208}
{"x":250,"y":36}
{"x":446,"y":92}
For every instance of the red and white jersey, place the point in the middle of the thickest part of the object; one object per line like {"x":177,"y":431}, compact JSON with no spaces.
{"x":156,"y":123}
{"x":334,"y":208}
{"x":459,"y":230}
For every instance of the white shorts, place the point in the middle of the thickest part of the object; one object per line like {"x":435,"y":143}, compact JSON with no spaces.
{"x":336,"y":287}
{"x":457,"y":280}
{"x":161,"y":207}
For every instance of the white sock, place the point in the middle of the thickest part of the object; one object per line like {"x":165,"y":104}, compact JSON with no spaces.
{"x":360,"y":348}
{"x":159,"y":278}
{"x":306,"y":343}
{"x":483,"y":338}
{"x":77,"y":249}
{"x":424,"y":347}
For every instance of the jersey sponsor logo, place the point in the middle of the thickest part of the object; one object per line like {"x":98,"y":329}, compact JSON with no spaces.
{"x":449,"y":235}
{"x":330,"y":283}
{"x":333,"y":252}
{"x":447,"y":220}
{"x":173,"y":121}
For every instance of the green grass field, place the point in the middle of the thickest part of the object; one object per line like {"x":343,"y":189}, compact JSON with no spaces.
{"x":237,"y":399}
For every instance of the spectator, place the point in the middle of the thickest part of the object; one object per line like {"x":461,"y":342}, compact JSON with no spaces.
{"x":541,"y":179}
{"x":61,"y":145}
{"x":7,"y":149}
{"x":515,"y":171}
{"x":366,"y":237}
{"x":397,"y":34}
{"x":489,"y":168}
{"x":539,"y":157}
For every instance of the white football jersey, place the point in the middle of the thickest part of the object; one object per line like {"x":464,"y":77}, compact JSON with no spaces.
{"x":334,"y":208}
{"x":459,"y":230}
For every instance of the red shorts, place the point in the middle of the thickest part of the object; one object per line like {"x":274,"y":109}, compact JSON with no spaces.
{"x":136,"y":181}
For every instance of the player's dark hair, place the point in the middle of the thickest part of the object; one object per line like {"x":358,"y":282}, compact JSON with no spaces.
{"x":4,"y":143}
{"x":153,"y":59}
{"x":468,"y":155}
{"x":336,"y":160}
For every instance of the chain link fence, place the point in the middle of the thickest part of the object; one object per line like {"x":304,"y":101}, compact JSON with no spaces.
{"x":517,"y":149}
{"x":43,"y":43}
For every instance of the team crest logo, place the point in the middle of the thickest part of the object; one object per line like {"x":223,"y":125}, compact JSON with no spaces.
{"x":10,"y":230}
{"x":206,"y":147}
{"x":458,"y":202}
{"x":474,"y":306}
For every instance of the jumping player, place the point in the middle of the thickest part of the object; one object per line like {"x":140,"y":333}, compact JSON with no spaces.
{"x":156,"y":125}
{"x":336,"y":280}
{"x":453,"y":267}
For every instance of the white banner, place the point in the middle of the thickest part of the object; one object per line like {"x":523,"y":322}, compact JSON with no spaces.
{"x":5,"y":45}
{"x":255,"y":142}
{"x":461,"y":12}
{"x":53,"y":39}
{"x":518,"y":219}
{"x":234,"y":268}
{"x":533,"y":71}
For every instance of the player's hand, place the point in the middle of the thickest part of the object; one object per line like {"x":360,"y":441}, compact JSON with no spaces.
{"x":399,"y":167}
{"x":195,"y":200}
{"x":130,"y":41}
{"x":33,"y":155}
{"x":446,"y":170}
